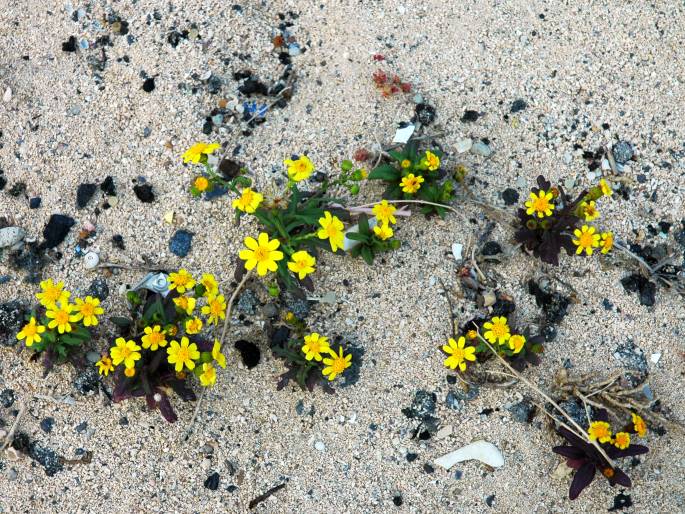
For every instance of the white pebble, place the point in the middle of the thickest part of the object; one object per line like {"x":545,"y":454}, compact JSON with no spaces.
{"x":320,"y":446}
{"x":90,"y":260}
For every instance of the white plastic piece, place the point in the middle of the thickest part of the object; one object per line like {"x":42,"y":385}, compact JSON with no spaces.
{"x":402,"y":135}
{"x":456,"y":251}
{"x":485,"y":452}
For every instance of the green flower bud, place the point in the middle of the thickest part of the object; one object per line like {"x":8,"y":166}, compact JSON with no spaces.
{"x":354,"y":189}
{"x":531,"y":224}
{"x":346,"y":165}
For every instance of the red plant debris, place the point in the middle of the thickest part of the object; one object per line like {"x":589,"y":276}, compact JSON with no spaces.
{"x":389,"y":86}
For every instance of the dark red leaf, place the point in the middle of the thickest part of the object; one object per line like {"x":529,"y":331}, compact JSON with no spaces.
{"x":570,"y":452}
{"x":620,"y":478}
{"x":581,"y":480}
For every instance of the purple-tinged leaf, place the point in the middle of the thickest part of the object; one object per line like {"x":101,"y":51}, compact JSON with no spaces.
{"x":620,"y":478}
{"x":581,"y":480}
{"x":631,"y":451}
{"x":570,"y":452}
{"x":166,"y":409}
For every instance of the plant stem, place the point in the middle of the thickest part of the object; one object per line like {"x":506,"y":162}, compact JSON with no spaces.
{"x":579,"y":430}
{"x":229,"y":309}
{"x":421,"y":202}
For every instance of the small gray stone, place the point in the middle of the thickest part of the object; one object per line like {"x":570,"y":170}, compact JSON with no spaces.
{"x":270,"y":310}
{"x":464,"y":145}
{"x":623,"y":152}
{"x":522,"y":411}
{"x":10,"y":236}
{"x":98,"y":288}
{"x":92,"y":357}
{"x":247,"y":302}
{"x":480,"y":148}
{"x":320,"y":446}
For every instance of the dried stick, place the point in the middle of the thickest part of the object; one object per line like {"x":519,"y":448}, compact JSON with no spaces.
{"x":10,"y":436}
{"x":422,"y":202}
{"x":229,"y":309}
{"x":578,"y":429}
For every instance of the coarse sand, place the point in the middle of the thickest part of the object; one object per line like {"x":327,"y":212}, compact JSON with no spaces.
{"x":590,"y":74}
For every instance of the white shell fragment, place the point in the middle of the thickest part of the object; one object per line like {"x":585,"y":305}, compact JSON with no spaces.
{"x":9,"y":236}
{"x":90,"y":260}
{"x":483,"y":451}
{"x":402,"y":135}
{"x":464,"y":145}
{"x":456,"y":251}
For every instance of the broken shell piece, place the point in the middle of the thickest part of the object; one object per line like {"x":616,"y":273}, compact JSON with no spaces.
{"x":12,"y":454}
{"x":483,"y":451}
{"x":456,"y":251}
{"x":169,"y":217}
{"x":489,"y":298}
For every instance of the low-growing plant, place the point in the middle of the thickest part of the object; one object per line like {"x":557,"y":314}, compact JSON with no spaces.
{"x":415,"y":174}
{"x":228,"y":175}
{"x":164,"y":342}
{"x":310,"y":358}
{"x":57,"y":329}
{"x":552,"y":220}
{"x":389,"y":84}
{"x":587,"y":459}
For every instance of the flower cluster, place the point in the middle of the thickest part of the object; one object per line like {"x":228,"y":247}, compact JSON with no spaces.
{"x":585,"y":458}
{"x":518,"y":348}
{"x":310,"y":357}
{"x":58,"y":328}
{"x":414,"y":174}
{"x":551,"y":220}
{"x":227,"y":177}
{"x":162,"y":344}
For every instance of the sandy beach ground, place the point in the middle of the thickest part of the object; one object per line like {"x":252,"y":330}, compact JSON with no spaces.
{"x":589,"y":75}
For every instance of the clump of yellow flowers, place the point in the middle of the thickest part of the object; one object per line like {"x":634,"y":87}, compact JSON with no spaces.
{"x":216,"y":177}
{"x":169,"y":338}
{"x":551,"y":220}
{"x":59,"y":327}
{"x":495,"y":332}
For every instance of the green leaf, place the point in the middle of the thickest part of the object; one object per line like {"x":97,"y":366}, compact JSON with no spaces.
{"x":356,"y":236}
{"x":70,"y":340}
{"x":384,"y":172}
{"x":398,"y":156}
{"x":121,"y":322}
{"x":367,"y":255}
{"x":364,"y":225}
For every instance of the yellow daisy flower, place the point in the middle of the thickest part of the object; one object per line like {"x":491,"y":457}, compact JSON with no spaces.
{"x":125,"y":351}
{"x":605,"y":187}
{"x":88,"y":310}
{"x":130,"y":372}
{"x":261,"y":253}
{"x":215,"y":309}
{"x":599,"y":430}
{"x":383,"y":232}
{"x":299,"y":169}
{"x":331,"y":229}
{"x":458,"y":353}
{"x":52,"y":293}
{"x":195,"y":152}
{"x":589,"y":210}
{"x":431,"y":161}
{"x":181,"y":281}
{"x":314,"y":345}
{"x":540,"y":204}
{"x":622,"y":440}
{"x":61,"y":317}
{"x":194,"y":325}
{"x":208,"y":375}
{"x":587,"y":239}
{"x":105,"y":365}
{"x":405,"y":163}
{"x":497,"y":330}
{"x":384,"y":211}
{"x":302,"y":264}
{"x":201,"y":183}
{"x":186,"y":304}
{"x":184,"y":354}
{"x":249,"y":201}
{"x":411,"y":184}
{"x":516,"y":343}
{"x":210,"y":284}
{"x":154,"y":338}
{"x":337,"y":364}
{"x":219,"y":357}
{"x":31,"y":332}
{"x":639,"y":425}
{"x":607,"y":242}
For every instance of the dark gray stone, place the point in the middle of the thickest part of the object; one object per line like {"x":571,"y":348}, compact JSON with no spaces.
{"x":181,"y":242}
{"x":623,"y":152}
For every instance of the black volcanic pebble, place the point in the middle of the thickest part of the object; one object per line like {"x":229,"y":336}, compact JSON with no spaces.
{"x":69,"y":45}
{"x":57,"y":229}
{"x":149,"y":85}
{"x":510,"y":196}
{"x":107,"y":186}
{"x":84,"y":193}
{"x":144,"y":193}
{"x":470,"y":116}
{"x":212,"y":481}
